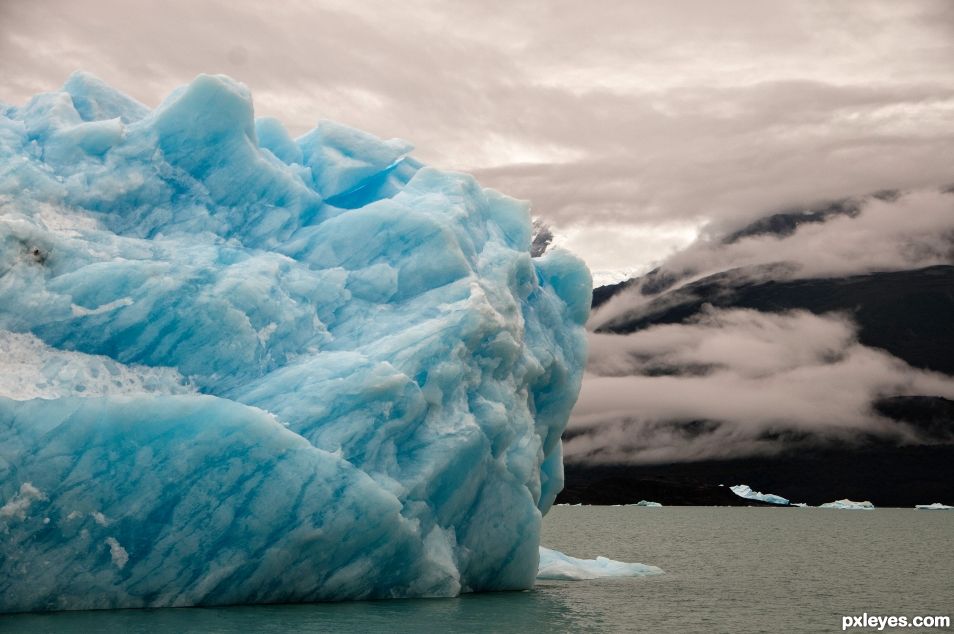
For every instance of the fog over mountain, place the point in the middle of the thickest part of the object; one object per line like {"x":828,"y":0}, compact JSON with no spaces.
{"x":791,"y":331}
{"x":736,"y":382}
{"x":899,"y":232}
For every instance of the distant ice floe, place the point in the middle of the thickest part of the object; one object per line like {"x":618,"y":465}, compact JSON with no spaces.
{"x":848,"y":505}
{"x":554,"y":565}
{"x":648,"y":503}
{"x":937,"y":506}
{"x":745,"y":491}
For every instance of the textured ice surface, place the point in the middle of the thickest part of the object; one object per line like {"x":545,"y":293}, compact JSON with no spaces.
{"x":745,"y":491}
{"x":240,"y":367}
{"x":849,"y":505}
{"x":557,"y":566}
{"x":648,"y":503}
{"x":936,"y":506}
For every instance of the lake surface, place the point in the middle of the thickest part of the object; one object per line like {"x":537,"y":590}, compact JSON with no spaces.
{"x":727,"y":570}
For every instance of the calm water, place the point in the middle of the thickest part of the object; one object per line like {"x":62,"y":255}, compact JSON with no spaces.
{"x":727,"y":570}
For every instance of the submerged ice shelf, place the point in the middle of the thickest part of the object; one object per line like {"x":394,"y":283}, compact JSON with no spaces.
{"x":240,"y":367}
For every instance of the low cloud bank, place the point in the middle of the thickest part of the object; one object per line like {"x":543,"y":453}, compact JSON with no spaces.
{"x":737,"y":382}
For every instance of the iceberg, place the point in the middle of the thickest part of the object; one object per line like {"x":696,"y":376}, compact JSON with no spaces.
{"x":745,"y":491}
{"x":849,"y":505}
{"x":238,"y":367}
{"x":556,"y":566}
{"x":648,"y":503}
{"x":937,"y":506}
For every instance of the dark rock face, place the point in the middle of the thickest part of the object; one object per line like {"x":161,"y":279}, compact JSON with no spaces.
{"x":542,"y":238}
{"x":602,"y":294}
{"x":785,"y":223}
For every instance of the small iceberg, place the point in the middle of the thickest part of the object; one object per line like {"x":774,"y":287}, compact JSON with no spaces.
{"x":848,"y":505}
{"x":648,"y":503}
{"x":937,"y":506}
{"x":554,"y":565}
{"x":745,"y":491}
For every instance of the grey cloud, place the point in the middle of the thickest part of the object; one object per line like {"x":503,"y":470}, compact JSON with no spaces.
{"x":613,"y":114}
{"x":737,"y":382}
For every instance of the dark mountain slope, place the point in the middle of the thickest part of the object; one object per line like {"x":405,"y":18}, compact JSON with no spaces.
{"x":910,"y":314}
{"x":885,"y":475}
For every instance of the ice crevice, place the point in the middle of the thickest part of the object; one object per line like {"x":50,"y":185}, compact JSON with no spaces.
{"x":278,"y":369}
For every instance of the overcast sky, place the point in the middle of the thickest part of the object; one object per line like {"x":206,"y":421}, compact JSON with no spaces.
{"x":629,"y":125}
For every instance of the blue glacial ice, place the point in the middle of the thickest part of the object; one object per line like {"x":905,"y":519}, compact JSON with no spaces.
{"x":237,"y":367}
{"x":554,"y":565}
{"x":745,"y":491}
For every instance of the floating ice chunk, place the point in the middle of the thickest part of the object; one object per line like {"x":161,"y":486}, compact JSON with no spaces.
{"x":648,"y":503}
{"x":937,"y":506}
{"x":745,"y":491}
{"x":261,"y":369}
{"x":849,"y":505}
{"x":557,"y":566}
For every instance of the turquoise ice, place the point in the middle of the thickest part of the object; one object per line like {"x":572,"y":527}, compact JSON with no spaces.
{"x":239,"y":367}
{"x":745,"y":491}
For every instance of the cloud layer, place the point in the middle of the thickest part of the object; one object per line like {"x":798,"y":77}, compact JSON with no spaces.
{"x":912,"y":230}
{"x":737,"y":382}
{"x":630,"y":125}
